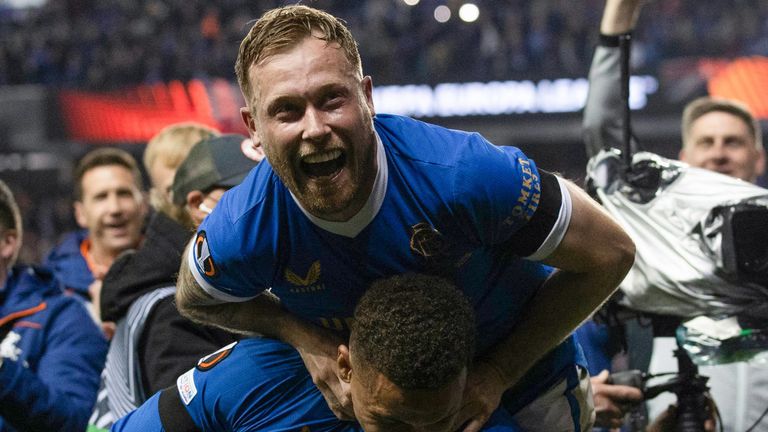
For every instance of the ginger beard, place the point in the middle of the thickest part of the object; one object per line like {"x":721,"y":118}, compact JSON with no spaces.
{"x":328,"y":182}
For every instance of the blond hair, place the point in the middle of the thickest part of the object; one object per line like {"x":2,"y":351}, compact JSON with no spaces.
{"x":170,"y":147}
{"x":283,"y":28}
{"x":706,"y":104}
{"x":10,"y":217}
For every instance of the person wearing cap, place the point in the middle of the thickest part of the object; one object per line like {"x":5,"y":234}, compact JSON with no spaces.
{"x":153,"y":344}
{"x":204,"y":176}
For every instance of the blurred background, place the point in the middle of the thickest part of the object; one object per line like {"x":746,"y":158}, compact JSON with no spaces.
{"x":75,"y":74}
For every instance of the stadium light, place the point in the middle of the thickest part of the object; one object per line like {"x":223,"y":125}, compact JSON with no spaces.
{"x":469,"y":12}
{"x":442,"y":14}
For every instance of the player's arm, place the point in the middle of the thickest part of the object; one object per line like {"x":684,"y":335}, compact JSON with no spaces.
{"x":265,"y":316}
{"x":602,"y":121}
{"x":592,"y":258}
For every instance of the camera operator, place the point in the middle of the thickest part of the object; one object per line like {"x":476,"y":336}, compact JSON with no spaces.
{"x":718,"y":135}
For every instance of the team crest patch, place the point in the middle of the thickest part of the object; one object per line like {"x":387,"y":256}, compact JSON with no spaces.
{"x":186,"y":386}
{"x":203,"y":255}
{"x":212,"y":360}
{"x":427,"y":241}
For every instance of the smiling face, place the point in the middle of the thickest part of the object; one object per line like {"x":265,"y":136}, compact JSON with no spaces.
{"x":112,"y":209}
{"x":312,"y":112}
{"x":722,"y":142}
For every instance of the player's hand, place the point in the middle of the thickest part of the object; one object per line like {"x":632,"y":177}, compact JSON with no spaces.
{"x":320,"y":358}
{"x":612,"y":402}
{"x":482,"y":395}
{"x":94,"y":308}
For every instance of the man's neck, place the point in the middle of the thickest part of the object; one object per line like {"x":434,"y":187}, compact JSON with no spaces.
{"x":98,"y":259}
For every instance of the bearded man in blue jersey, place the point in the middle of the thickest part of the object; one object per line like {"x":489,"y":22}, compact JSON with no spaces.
{"x":348,"y":196}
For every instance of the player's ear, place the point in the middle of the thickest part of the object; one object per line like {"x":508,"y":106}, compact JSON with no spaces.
{"x":9,"y":245}
{"x":345,"y":366}
{"x":367,"y":84}
{"x":250,"y":122}
{"x":80,"y":216}
{"x":760,"y":162}
{"x":194,"y":199}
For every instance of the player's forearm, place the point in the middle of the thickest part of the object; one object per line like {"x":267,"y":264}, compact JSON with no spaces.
{"x":560,"y":305}
{"x":593,"y":258}
{"x":262,"y":315}
{"x":259,"y":315}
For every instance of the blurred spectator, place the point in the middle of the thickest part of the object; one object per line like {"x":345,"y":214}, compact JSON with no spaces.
{"x":153,"y":344}
{"x":110,"y":44}
{"x":110,"y":208}
{"x":165,"y":152}
{"x":50,"y":351}
{"x":717,"y":134}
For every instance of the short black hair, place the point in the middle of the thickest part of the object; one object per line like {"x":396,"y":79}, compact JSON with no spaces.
{"x":417,"y":330}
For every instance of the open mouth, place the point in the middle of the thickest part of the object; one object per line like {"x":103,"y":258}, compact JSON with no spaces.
{"x":323,"y":164}
{"x":116,"y":229}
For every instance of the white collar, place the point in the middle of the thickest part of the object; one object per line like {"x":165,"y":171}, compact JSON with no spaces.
{"x":362,"y":218}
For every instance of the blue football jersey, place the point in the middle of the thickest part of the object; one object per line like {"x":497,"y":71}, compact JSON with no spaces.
{"x":444,"y":202}
{"x":256,"y":385}
{"x":251,"y":385}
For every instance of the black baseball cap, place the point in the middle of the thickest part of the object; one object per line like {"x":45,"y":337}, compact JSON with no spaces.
{"x":213,"y":162}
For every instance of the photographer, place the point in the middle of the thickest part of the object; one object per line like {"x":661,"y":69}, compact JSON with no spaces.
{"x":718,"y":135}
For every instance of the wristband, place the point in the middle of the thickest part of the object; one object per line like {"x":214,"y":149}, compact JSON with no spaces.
{"x":612,"y":41}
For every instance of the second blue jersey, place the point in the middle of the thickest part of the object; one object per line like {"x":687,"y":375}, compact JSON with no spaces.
{"x":256,"y":385}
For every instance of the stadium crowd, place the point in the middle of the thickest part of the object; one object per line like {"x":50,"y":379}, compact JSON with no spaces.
{"x":121,"y":266}
{"x":101,"y":45}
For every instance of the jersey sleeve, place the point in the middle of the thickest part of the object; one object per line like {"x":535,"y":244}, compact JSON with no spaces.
{"x":221,"y":258}
{"x":254,"y":384}
{"x":145,"y":418}
{"x":504,"y":199}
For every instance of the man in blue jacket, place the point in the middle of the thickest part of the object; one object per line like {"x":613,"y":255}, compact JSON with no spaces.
{"x":110,"y":207}
{"x":51,"y":353}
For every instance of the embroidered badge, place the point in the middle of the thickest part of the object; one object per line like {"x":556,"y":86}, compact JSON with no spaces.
{"x":186,"y":385}
{"x":212,"y":360}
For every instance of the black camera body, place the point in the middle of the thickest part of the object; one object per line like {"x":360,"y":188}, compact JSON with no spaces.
{"x":690,"y":388}
{"x":745,"y":242}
